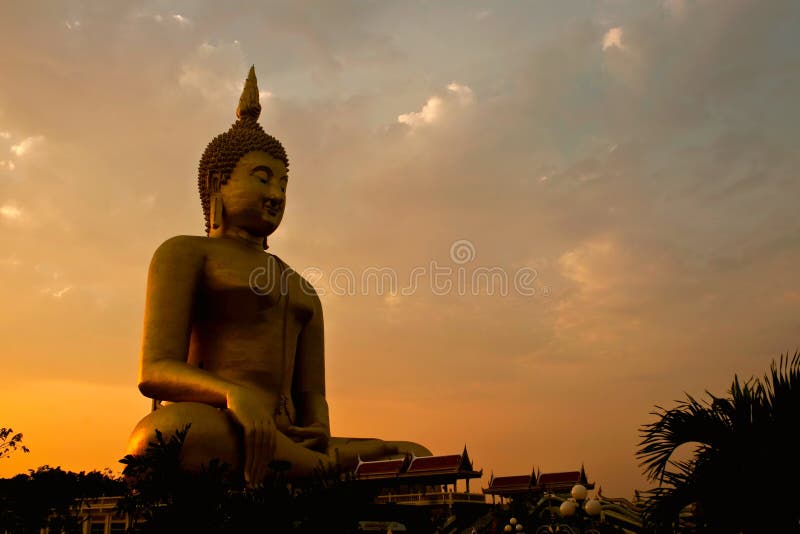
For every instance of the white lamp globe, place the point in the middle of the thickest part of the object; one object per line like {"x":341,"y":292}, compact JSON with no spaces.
{"x":567,"y":509}
{"x":578,"y":492}
{"x":519,"y":527}
{"x":507,"y":528}
{"x":593,"y":507}
{"x":512,"y":521}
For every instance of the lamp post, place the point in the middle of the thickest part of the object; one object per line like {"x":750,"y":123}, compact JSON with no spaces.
{"x":576,"y":505}
{"x":580,"y":507}
{"x":513,"y":526}
{"x":554,"y":527}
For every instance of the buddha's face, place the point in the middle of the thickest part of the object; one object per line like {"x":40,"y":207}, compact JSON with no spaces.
{"x":254,"y":196}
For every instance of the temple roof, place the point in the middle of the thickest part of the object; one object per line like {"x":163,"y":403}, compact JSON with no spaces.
{"x":437,"y":464}
{"x":564,"y":477}
{"x":521,"y":482}
{"x":516,"y":484}
{"x":449,"y":466}
{"x":380,"y":468}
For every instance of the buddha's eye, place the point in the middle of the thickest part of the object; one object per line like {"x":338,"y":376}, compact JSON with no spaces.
{"x":262,"y":176}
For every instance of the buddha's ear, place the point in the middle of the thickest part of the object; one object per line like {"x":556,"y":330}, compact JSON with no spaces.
{"x":214,"y":182}
{"x":215,"y":200}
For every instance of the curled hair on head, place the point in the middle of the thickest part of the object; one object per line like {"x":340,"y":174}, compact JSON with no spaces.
{"x":225,"y":150}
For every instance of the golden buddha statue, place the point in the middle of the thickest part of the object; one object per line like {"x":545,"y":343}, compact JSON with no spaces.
{"x":245,"y":368}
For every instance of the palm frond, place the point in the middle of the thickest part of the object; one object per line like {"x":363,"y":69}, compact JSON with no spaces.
{"x":745,"y":441}
{"x":781,"y":386}
{"x":690,"y":422}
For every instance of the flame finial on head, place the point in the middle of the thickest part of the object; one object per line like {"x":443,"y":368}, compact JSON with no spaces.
{"x":249,"y":105}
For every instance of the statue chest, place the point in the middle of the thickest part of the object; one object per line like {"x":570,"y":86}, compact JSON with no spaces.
{"x":247,"y":319}
{"x":244,"y":291}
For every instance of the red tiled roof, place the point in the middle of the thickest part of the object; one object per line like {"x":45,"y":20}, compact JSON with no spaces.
{"x":565,"y":477}
{"x":511,"y":481}
{"x":450,"y":463}
{"x":380,"y":468}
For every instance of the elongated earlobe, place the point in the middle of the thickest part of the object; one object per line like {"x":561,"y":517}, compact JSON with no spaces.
{"x":216,"y":211}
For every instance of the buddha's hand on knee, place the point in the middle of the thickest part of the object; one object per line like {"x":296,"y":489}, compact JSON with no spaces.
{"x":250,"y":408}
{"x":314,"y":436}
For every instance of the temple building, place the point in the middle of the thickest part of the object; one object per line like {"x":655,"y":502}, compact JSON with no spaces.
{"x":543,"y":493}
{"x":422,"y":480}
{"x":508,"y":487}
{"x":422,"y":494}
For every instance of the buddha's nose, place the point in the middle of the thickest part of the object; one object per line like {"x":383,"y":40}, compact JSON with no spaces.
{"x":274,"y":195}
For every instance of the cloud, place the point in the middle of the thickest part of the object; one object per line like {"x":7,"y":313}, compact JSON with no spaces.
{"x":148,"y":201}
{"x":10,"y":211}
{"x":600,"y":271}
{"x":7,"y":164}
{"x":60,"y":293}
{"x":436,"y":106}
{"x":25,"y":146}
{"x":676,"y":8}
{"x":183,"y":21}
{"x":161,"y":18}
{"x":72,"y":24}
{"x":216,"y":71}
{"x":482,"y":14}
{"x":5,"y":135}
{"x":613,"y":38}
{"x":613,"y":284}
{"x":57,"y":292}
{"x":429,"y":113}
{"x":463,"y":92}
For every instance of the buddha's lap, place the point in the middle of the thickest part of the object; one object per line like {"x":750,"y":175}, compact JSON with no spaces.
{"x":213,"y":434}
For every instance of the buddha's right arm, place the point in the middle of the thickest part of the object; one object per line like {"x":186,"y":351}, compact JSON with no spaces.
{"x":175,"y":271}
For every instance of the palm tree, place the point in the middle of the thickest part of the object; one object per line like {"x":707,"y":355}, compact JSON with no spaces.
{"x":745,"y":467}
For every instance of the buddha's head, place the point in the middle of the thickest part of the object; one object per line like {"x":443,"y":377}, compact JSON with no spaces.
{"x":242,"y":174}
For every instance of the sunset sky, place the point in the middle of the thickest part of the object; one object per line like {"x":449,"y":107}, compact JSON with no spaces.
{"x":636,"y":161}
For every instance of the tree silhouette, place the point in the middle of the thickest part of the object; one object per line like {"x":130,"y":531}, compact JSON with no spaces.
{"x":49,"y":497}
{"x":9,"y":442}
{"x":744,"y":471}
{"x":161,"y":497}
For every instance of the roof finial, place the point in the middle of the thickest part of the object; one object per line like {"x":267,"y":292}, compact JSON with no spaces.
{"x":249,"y":105}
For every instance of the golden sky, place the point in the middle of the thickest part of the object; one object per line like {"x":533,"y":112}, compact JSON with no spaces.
{"x":628,"y":168}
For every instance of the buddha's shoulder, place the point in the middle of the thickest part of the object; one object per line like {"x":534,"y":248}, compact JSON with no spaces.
{"x":183,"y":247}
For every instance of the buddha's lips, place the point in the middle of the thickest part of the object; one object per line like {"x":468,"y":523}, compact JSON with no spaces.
{"x":272,"y":210}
